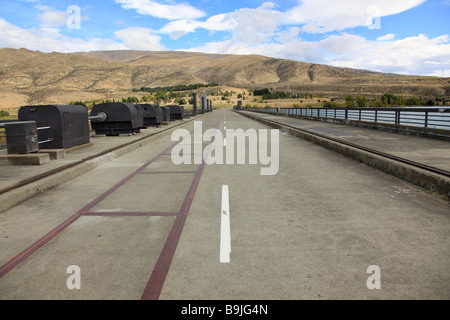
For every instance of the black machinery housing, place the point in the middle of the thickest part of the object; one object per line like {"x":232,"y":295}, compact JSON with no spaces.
{"x":69,"y":125}
{"x":153,"y":115}
{"x":176,"y":112}
{"x":120,"y":118}
{"x":21,"y":137}
{"x":166,"y":113}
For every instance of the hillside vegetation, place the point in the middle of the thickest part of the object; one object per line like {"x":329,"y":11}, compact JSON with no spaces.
{"x":33,"y":77}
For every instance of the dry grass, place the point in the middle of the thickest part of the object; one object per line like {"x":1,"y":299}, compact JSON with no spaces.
{"x":31,"y":77}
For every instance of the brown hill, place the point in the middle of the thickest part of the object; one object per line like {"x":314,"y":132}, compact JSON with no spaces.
{"x":33,"y":77}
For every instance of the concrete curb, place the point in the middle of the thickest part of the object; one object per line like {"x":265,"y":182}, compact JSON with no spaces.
{"x":34,"y":159}
{"x":417,"y":176}
{"x":13,"y":197}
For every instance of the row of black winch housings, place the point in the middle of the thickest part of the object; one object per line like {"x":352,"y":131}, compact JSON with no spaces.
{"x":67,"y":126}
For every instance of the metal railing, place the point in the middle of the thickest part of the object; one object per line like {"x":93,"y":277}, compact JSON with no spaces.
{"x":3,"y":133}
{"x":47,"y":137}
{"x":437,"y":118}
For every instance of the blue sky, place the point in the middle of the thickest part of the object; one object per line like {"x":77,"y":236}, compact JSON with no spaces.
{"x":402,"y":36}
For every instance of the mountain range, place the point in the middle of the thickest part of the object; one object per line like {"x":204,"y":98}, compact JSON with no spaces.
{"x":33,"y":77}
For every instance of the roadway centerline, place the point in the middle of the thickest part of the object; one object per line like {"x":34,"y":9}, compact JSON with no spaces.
{"x":225,"y":228}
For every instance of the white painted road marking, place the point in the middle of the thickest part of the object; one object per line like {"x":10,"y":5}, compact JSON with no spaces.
{"x":224,"y":127}
{"x":225,"y":230}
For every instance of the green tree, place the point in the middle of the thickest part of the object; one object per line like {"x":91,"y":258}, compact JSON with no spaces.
{"x":79,"y":103}
{"x":161,"y":96}
{"x":129,"y":100}
{"x":377,"y":103}
{"x":330,"y":104}
{"x":361,"y":101}
{"x":412,"y":102}
{"x":4,"y":113}
{"x":349,"y":101}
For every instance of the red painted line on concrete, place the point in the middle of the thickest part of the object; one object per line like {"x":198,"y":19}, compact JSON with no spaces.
{"x":160,"y":271}
{"x":156,"y":281}
{"x":155,"y":284}
{"x":11,"y":264}
{"x":130,"y":213}
{"x":164,"y":172}
{"x":126,"y":179}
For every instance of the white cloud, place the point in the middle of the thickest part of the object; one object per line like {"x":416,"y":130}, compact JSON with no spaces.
{"x":51,"y":17}
{"x":220,"y":22}
{"x":48,"y":39}
{"x":12,"y":36}
{"x":140,"y":39}
{"x":291,"y":48}
{"x":251,"y":26}
{"x":314,"y":16}
{"x":179,"y":28}
{"x":343,"y":44}
{"x":272,"y":33}
{"x":416,"y":55}
{"x":164,"y":11}
{"x":319,"y":16}
{"x":409,"y":55}
{"x":268,"y":5}
{"x":255,"y":26}
{"x":386,"y":37}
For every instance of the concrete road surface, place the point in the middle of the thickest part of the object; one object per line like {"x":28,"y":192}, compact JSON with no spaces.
{"x":322,"y":227}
